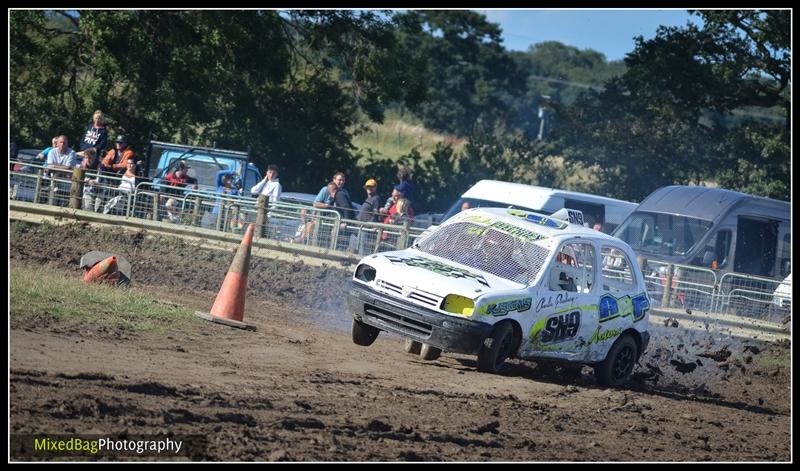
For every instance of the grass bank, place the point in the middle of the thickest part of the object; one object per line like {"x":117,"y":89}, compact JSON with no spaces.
{"x":53,"y":296}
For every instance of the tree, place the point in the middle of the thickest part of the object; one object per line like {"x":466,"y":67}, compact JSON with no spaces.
{"x":471,"y":78}
{"x":651,"y":127}
{"x":286,"y":84}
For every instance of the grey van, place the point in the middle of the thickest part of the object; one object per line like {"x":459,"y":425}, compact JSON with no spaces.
{"x":712,"y":228}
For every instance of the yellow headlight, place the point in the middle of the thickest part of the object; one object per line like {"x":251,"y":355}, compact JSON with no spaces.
{"x":459,"y":305}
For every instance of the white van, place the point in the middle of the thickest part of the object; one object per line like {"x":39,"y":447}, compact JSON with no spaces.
{"x":607,"y":212}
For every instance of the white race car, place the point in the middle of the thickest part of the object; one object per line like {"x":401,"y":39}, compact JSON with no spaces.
{"x":498,"y":283}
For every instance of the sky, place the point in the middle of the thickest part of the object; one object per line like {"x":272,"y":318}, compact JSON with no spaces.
{"x":610,"y":32}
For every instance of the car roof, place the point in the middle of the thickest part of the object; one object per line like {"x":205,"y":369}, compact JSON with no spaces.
{"x":524,"y":195}
{"x":537,"y":222}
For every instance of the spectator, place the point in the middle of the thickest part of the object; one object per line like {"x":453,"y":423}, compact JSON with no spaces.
{"x":406,"y":207}
{"x":397,"y":195}
{"x":116,"y":159}
{"x":127,"y":185}
{"x":342,"y":203}
{"x":305,"y":229}
{"x":369,"y":210}
{"x":343,"y":206}
{"x":41,"y":158}
{"x":225,"y":186}
{"x":90,"y":162}
{"x":465,"y":206}
{"x":369,"y":213}
{"x":406,"y":186}
{"x":61,"y":156}
{"x":324,"y":198}
{"x":269,"y":186}
{"x":401,"y":215}
{"x":179,"y":177}
{"x":96,"y":136}
{"x":598,"y":227}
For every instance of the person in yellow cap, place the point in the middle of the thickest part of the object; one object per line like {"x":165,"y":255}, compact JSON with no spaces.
{"x":369,"y":210}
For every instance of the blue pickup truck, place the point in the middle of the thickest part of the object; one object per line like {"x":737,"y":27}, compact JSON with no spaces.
{"x":204,"y":162}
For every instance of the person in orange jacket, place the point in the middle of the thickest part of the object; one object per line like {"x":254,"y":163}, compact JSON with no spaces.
{"x":116,"y":160}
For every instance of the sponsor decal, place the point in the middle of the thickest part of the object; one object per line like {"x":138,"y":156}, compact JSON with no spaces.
{"x":611,"y":307}
{"x":537,"y":219}
{"x":557,"y":328}
{"x":561,"y":298}
{"x":598,"y":336}
{"x":437,"y":267}
{"x":501,"y":308}
{"x":517,"y":232}
{"x":480,"y":219}
{"x":561,"y":327}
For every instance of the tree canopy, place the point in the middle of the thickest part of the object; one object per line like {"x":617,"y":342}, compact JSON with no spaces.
{"x":694,"y":104}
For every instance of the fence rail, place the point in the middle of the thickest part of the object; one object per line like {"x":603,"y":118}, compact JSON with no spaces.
{"x":282,"y":221}
{"x":700,"y":289}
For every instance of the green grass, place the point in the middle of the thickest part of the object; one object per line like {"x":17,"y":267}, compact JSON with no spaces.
{"x":397,"y":136}
{"x":65,"y":299}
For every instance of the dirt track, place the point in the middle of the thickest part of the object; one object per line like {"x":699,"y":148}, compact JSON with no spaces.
{"x":299,"y":389}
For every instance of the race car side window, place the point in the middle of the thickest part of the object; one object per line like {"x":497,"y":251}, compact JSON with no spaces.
{"x":573,"y":269}
{"x":617,"y":273}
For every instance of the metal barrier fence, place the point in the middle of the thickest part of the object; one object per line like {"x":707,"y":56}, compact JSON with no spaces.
{"x":669,"y":286}
{"x":700,"y":289}
{"x":285,"y":222}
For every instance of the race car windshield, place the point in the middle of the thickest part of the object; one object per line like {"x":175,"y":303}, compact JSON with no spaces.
{"x":487,"y":249}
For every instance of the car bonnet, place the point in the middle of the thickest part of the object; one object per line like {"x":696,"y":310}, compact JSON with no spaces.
{"x":415,"y":270}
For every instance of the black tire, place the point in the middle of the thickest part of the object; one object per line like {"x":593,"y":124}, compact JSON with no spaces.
{"x":364,"y":334}
{"x":496,"y":349}
{"x":428,"y":353}
{"x":412,"y":346}
{"x":617,"y":368}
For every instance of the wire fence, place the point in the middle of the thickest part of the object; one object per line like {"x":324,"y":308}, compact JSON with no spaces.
{"x":290,"y":223}
{"x":705,"y":290}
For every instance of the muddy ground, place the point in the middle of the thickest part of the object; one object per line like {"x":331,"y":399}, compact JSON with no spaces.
{"x":298,"y":389}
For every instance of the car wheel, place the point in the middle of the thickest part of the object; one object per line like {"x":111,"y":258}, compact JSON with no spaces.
{"x":495,"y":349}
{"x":364,"y":334}
{"x":413,"y":347}
{"x":617,"y":368}
{"x":426,"y":352}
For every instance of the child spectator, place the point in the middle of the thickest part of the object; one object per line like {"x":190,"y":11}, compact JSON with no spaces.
{"x":89,"y":163}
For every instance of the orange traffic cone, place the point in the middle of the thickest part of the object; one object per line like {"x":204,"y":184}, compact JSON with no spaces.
{"x":228,"y":307}
{"x":102,"y":271}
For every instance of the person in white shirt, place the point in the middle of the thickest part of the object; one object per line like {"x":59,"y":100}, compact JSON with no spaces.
{"x":269,"y":186}
{"x":61,"y":156}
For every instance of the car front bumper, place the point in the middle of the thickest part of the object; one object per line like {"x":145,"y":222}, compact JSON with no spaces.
{"x":390,"y":314}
